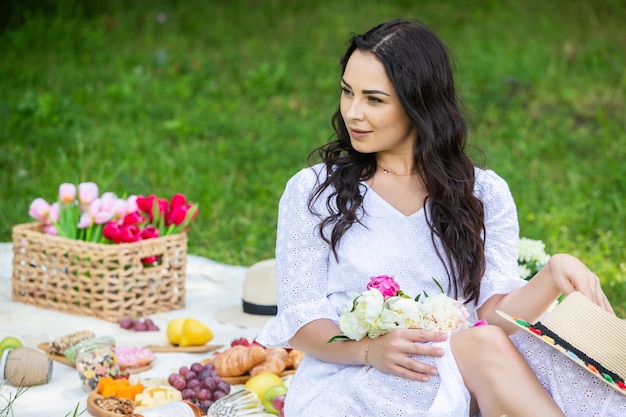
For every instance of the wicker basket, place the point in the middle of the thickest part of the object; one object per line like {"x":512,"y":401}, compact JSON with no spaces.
{"x":107,"y":281}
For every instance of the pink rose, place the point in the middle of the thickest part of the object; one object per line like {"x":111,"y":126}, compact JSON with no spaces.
{"x":385,"y":284}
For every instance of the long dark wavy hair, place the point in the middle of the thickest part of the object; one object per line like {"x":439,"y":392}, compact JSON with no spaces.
{"x":418,"y":65}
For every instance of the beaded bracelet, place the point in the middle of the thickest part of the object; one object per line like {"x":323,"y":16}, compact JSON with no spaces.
{"x":367,"y":350}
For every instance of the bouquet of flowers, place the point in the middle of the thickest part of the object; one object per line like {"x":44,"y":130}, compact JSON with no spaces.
{"x":531,"y":257}
{"x":383,"y":306}
{"x":81,"y":213}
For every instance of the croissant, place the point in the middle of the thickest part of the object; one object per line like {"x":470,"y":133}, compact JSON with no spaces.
{"x":237,"y":360}
{"x":276,"y":361}
{"x":296,"y":357}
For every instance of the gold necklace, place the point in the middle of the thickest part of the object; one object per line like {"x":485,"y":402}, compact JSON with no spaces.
{"x":388,"y":171}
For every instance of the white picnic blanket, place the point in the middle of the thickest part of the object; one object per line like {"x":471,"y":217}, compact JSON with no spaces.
{"x":210,"y":286}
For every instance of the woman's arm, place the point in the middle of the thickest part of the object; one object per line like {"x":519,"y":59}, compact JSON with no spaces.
{"x":562,"y":274}
{"x":388,"y":353}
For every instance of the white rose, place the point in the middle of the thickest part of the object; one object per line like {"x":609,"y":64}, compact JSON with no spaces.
{"x":409,"y":312}
{"x":362,"y":315}
{"x":442,"y":313}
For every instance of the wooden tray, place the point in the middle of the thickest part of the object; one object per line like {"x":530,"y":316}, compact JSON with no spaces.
{"x":186,"y":349}
{"x":58,"y":358}
{"x":63,"y":359}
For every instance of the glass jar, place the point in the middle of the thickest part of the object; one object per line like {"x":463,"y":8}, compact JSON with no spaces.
{"x":94,"y":361}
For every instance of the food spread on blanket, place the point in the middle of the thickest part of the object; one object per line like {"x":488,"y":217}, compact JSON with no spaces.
{"x":116,"y":390}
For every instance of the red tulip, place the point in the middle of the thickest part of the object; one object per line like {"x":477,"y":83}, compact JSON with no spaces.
{"x":145,"y":204}
{"x":130,"y":234}
{"x":149,"y":232}
{"x":133,"y":218}
{"x":112,"y":232}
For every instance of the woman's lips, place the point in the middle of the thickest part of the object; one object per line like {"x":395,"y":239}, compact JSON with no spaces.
{"x":358,"y":133}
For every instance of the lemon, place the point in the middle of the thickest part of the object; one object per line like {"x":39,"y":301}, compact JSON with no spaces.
{"x":262,"y":382}
{"x":175,"y":330}
{"x":195,"y":333}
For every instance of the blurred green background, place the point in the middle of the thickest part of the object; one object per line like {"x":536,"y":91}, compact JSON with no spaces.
{"x":223,"y":100}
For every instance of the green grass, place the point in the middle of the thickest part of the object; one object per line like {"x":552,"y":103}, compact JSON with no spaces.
{"x":223,"y":100}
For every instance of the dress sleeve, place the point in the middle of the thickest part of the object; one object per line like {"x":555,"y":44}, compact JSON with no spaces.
{"x":301,"y":264}
{"x":501,"y":238}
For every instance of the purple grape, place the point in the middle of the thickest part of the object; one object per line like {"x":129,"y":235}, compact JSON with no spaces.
{"x":206,"y":404}
{"x":209,"y":383}
{"x":193,"y":384}
{"x":126,"y":323}
{"x":223,"y":386}
{"x":191,"y":375}
{"x":217,"y":395}
{"x":188,"y":394}
{"x":183,"y":370}
{"x":204,"y":394}
{"x":139,"y":326}
{"x":197,"y":367}
{"x":209,"y":367}
{"x":179,"y":382}
{"x":153,"y":328}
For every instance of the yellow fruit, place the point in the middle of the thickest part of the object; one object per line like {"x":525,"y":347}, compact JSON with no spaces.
{"x":195,"y":333}
{"x":175,"y":330}
{"x":9,"y":342}
{"x":262,"y":382}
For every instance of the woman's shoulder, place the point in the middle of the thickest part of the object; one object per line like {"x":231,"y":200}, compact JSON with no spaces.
{"x":306,"y":179}
{"x":309,"y":176}
{"x":489,"y":184}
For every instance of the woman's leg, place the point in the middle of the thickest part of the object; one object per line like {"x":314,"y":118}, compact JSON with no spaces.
{"x":497,"y":375}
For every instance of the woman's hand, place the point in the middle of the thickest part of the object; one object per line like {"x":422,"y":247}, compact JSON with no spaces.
{"x":570,"y":274}
{"x":391,"y":352}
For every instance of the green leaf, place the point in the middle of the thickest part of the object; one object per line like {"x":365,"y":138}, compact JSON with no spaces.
{"x":338,"y":337}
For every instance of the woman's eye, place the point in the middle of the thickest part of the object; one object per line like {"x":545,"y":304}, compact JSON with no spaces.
{"x":345,"y":90}
{"x":375,"y":100}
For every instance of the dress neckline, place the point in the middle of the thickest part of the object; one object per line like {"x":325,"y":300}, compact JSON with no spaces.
{"x":391,"y":206}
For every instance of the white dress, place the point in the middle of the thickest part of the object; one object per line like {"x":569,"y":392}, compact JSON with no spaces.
{"x":312,"y":285}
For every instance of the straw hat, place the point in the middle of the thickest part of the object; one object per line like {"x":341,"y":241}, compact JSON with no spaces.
{"x":591,"y":337}
{"x":258,"y":302}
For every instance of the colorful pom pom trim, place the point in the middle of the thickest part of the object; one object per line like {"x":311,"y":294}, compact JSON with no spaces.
{"x":553,"y":339}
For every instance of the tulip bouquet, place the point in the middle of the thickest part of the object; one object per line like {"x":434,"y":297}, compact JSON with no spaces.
{"x":383,"y":307}
{"x":81,"y":213}
{"x":531,"y":257}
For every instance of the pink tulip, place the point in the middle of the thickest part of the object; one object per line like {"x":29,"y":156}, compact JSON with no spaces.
{"x":108,"y":201}
{"x":67,"y":193}
{"x":131,"y":204}
{"x":87,"y":192}
{"x":54,"y":212}
{"x":85,"y":220}
{"x":50,"y":230}
{"x":39,"y":209}
{"x":119,"y":209}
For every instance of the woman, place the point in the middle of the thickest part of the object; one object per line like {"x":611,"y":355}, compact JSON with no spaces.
{"x":397,"y":195}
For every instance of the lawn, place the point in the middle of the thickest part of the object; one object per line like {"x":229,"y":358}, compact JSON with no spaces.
{"x":223,"y":100}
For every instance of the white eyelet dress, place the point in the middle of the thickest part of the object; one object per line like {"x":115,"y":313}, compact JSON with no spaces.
{"x":313,"y":285}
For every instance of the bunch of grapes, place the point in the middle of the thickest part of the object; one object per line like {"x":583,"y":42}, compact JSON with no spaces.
{"x":138,"y":325}
{"x":199,"y":384}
